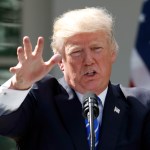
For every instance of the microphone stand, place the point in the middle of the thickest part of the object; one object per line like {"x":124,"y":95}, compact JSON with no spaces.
{"x":91,"y":123}
{"x":90,"y":112}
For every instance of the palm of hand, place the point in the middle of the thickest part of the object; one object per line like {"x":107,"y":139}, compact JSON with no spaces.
{"x":31,"y":66}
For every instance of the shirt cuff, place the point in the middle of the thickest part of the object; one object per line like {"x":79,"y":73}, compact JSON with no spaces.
{"x":10,"y":99}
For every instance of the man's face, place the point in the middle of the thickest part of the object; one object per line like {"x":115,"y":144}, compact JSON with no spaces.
{"x":87,"y":60}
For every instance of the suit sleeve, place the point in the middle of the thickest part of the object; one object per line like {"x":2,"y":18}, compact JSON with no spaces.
{"x":15,"y":111}
{"x":146,"y":133}
{"x":16,"y":123}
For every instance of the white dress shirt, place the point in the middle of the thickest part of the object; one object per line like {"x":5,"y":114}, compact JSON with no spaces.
{"x":102,"y":97}
{"x":10,"y":99}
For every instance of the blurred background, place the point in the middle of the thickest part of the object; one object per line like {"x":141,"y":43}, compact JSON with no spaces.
{"x":35,"y":18}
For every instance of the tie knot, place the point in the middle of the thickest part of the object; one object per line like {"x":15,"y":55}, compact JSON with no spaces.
{"x":99,"y":100}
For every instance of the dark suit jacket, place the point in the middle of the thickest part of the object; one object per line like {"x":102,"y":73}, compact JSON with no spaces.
{"x":50,"y":118}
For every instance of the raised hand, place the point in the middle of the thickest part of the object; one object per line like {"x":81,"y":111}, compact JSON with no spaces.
{"x":31,"y":66}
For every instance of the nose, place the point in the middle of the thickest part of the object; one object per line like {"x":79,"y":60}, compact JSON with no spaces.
{"x":88,"y":59}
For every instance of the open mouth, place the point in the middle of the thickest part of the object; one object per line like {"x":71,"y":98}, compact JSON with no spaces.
{"x":90,"y":73}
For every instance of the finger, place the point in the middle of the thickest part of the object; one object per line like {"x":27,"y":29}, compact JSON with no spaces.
{"x":39,"y":47}
{"x":12,"y":70}
{"x":15,"y":68}
{"x":27,"y":46}
{"x":21,"y":54}
{"x":55,"y":59}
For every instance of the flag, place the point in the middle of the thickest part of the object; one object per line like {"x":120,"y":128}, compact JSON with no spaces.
{"x":140,"y":57}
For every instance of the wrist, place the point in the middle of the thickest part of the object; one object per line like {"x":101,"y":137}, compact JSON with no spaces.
{"x":19,"y":84}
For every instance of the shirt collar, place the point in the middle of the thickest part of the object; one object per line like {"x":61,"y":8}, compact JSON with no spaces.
{"x":102,"y":96}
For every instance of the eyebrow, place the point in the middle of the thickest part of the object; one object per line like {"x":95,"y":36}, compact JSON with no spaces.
{"x":71,"y":47}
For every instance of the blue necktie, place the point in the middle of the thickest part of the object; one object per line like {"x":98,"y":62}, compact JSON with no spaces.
{"x":96,"y":130}
{"x":96,"y":127}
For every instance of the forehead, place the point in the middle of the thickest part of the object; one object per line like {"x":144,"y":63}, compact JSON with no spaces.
{"x":87,"y":37}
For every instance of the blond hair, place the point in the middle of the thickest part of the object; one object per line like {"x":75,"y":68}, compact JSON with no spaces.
{"x":89,"y":19}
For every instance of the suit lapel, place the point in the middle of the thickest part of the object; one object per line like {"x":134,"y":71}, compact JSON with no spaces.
{"x":71,"y":113}
{"x":113,"y":113}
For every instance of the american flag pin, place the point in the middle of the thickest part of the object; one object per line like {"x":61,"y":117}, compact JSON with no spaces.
{"x":117,"y":110}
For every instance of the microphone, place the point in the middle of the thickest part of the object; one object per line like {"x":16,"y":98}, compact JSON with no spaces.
{"x":90,"y":99}
{"x":90,"y":111}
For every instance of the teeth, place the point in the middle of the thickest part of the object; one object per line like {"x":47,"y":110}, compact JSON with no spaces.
{"x":90,"y":73}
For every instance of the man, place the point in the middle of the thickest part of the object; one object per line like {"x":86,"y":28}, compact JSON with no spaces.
{"x":43,"y":113}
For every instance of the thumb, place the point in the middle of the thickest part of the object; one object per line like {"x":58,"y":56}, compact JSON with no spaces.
{"x":55,"y":59}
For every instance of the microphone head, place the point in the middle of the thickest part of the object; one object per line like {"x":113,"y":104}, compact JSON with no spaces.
{"x":92,"y":98}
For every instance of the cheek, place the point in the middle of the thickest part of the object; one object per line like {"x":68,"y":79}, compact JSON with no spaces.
{"x":104,"y":65}
{"x":74,"y":63}
{"x":71,"y":66}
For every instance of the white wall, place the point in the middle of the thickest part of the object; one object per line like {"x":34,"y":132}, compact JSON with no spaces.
{"x":38,"y":17}
{"x":37,"y":21}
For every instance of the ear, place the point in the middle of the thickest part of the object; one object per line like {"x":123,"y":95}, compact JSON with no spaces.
{"x":113,"y":56}
{"x":61,"y":65}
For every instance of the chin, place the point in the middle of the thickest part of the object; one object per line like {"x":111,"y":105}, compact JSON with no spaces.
{"x":91,"y":88}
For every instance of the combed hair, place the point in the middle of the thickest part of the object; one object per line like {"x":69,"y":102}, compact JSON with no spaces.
{"x":90,"y":19}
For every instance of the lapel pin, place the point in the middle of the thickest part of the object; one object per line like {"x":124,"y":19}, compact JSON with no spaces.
{"x":117,"y":110}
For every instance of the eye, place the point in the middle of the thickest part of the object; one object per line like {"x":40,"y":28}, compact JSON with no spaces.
{"x":76,"y":52}
{"x":97,"y":48}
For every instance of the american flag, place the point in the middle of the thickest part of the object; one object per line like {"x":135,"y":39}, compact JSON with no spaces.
{"x":140,"y":57}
